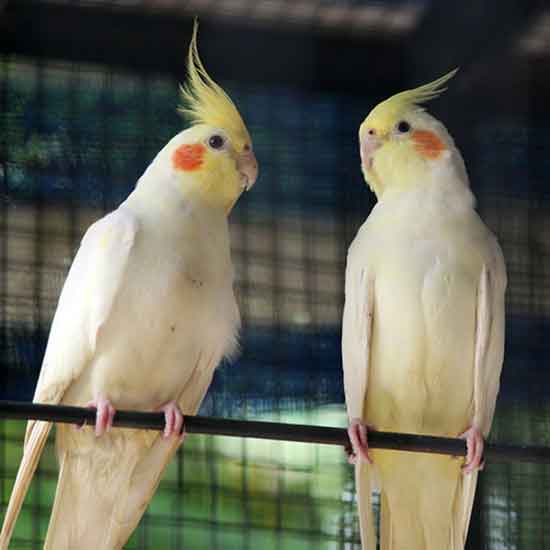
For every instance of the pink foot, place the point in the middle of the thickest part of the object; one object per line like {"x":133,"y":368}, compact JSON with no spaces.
{"x":104,"y":415}
{"x":173,"y":420}
{"x":357,"y":432}
{"x":474,"y":444}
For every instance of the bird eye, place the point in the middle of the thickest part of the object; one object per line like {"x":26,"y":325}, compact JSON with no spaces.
{"x":403,"y":127}
{"x":216,"y":141}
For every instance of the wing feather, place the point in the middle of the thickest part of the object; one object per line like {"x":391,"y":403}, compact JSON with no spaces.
{"x":356,"y":337}
{"x":86,"y":300}
{"x":356,"y":347}
{"x":489,"y":338}
{"x":85,"y":303}
{"x":488,"y":359}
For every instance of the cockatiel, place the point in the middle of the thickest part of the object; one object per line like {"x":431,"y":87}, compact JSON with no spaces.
{"x":423,"y":326}
{"x":146,"y":314}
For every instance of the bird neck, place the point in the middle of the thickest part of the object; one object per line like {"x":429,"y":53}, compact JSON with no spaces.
{"x":435,"y":199}
{"x":391,"y":175}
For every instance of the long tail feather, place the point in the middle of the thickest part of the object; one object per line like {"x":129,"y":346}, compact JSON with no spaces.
{"x":364,"y":501}
{"x":425,"y":502}
{"x":31,"y":455}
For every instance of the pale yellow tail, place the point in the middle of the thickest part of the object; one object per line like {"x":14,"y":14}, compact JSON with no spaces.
{"x":36,"y":439}
{"x":425,"y":502}
{"x":364,"y":503}
{"x":104,"y":486}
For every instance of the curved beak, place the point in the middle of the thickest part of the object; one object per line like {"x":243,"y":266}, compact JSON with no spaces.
{"x":368,"y":145}
{"x":248,"y":168}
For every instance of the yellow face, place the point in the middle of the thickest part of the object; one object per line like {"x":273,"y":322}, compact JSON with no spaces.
{"x":213,"y":166}
{"x":400,"y":150}
{"x":400,"y":142}
{"x":213,"y":159}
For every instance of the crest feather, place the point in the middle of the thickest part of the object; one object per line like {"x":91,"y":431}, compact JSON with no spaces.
{"x":423,"y":93}
{"x":396,"y":105}
{"x":205,"y":101}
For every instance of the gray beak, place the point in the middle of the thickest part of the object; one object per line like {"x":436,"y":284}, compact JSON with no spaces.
{"x":248,"y":168}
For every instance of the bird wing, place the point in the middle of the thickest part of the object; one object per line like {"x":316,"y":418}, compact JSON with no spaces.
{"x":489,"y":343}
{"x":356,"y":348}
{"x":86,"y":300}
{"x":488,"y":358}
{"x":356,"y":336}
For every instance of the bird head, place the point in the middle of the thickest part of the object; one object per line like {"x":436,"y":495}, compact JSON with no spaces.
{"x":401,"y":145}
{"x":213,"y":160}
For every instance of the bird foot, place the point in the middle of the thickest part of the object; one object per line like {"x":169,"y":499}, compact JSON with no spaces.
{"x":357,"y":432}
{"x":105,"y":413}
{"x":474,"y":445}
{"x":173,"y":419}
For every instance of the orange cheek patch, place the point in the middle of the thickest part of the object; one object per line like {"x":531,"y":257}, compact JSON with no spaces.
{"x":428,"y":144}
{"x":188,"y":157}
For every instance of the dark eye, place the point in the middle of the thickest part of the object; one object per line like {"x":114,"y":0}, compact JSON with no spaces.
{"x":216,"y":141}
{"x":403,"y":127}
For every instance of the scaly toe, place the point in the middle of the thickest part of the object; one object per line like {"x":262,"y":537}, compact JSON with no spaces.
{"x":105,"y":413}
{"x":173,"y":419}
{"x":474,"y":444}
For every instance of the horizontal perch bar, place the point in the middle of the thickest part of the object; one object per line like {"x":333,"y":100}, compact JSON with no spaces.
{"x":274,"y":430}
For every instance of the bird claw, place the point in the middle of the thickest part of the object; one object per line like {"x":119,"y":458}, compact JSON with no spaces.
{"x":357,"y":432}
{"x":351,"y":456}
{"x":474,"y":456}
{"x":105,"y":413}
{"x":173,"y":418}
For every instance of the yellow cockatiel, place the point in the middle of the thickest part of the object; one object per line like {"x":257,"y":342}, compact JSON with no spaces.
{"x":146,"y":314}
{"x":423,"y":327}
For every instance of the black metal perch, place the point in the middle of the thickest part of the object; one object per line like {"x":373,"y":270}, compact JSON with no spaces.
{"x":276,"y":431}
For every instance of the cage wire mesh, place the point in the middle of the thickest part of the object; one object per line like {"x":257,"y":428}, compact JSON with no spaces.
{"x":75,"y":137}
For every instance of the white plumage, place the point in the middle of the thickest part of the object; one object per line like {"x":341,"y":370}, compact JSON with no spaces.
{"x":146,"y":314}
{"x":423,"y":330}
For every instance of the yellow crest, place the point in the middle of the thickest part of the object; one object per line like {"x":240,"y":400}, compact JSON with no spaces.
{"x":385,"y":114}
{"x":205,"y":102}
